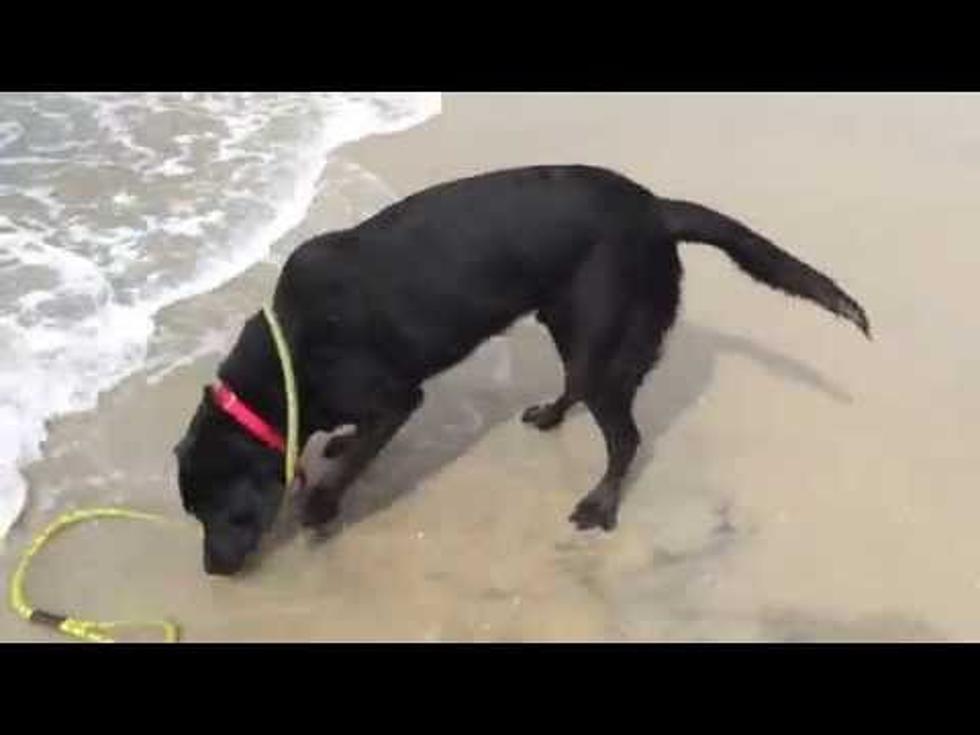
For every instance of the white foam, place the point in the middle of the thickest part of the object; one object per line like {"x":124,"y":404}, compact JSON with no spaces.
{"x":10,"y":131}
{"x":87,"y":273}
{"x":212,"y":342}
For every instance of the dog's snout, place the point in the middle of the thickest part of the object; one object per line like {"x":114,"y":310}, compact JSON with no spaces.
{"x":223,"y":559}
{"x":221,"y":565}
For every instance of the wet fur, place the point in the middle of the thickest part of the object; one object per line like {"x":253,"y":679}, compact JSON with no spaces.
{"x":372,"y":312}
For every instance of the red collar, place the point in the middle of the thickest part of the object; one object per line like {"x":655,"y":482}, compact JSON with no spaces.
{"x":230,"y":403}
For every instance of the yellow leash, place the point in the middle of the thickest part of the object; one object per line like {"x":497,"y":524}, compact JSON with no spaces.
{"x":88,"y":630}
{"x":95,"y":631}
{"x":292,"y":403}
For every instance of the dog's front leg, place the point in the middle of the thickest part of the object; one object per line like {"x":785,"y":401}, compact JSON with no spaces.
{"x":339,"y":443}
{"x":349,"y":457}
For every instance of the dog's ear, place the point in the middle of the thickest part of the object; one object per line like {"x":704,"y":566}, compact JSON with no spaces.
{"x":184,"y":472}
{"x":185,"y":457}
{"x":185,"y":499}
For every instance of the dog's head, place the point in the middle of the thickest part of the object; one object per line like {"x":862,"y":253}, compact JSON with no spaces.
{"x":234,"y":486}
{"x":230,"y":483}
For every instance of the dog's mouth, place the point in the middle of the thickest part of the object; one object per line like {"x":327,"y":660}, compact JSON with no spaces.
{"x":224,"y":557}
{"x":222,"y":567}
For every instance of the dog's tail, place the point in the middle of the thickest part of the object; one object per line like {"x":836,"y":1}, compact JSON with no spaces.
{"x":759,"y":258}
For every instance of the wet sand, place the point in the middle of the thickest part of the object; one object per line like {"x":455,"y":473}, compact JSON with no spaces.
{"x":796,"y":482}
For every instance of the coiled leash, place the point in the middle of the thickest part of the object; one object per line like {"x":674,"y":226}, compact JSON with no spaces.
{"x":95,"y":631}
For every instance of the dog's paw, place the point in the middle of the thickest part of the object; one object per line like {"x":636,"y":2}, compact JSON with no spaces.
{"x":337,"y":446}
{"x":317,"y":511}
{"x":545,"y":416}
{"x":595,"y":511}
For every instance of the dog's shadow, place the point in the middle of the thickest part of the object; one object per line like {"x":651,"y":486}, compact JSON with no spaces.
{"x":520,"y":369}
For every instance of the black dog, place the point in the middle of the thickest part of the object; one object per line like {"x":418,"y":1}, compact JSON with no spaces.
{"x":373,"y":311}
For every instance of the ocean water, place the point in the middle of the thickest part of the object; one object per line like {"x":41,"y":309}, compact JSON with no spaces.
{"x":114,"y":206}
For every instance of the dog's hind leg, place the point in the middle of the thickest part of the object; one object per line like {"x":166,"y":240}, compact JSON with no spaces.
{"x":584,"y":330}
{"x":547,"y":416}
{"x":611,"y":405}
{"x":580,"y":361}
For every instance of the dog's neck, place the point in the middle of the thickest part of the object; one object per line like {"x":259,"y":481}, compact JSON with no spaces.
{"x":253,"y":372}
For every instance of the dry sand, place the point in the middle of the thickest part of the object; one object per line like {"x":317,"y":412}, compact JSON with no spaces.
{"x":796,"y":481}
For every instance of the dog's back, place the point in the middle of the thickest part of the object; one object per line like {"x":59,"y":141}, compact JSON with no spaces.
{"x":443,"y":269}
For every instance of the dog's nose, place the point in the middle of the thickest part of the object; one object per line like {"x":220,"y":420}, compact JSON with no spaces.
{"x":221,"y":566}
